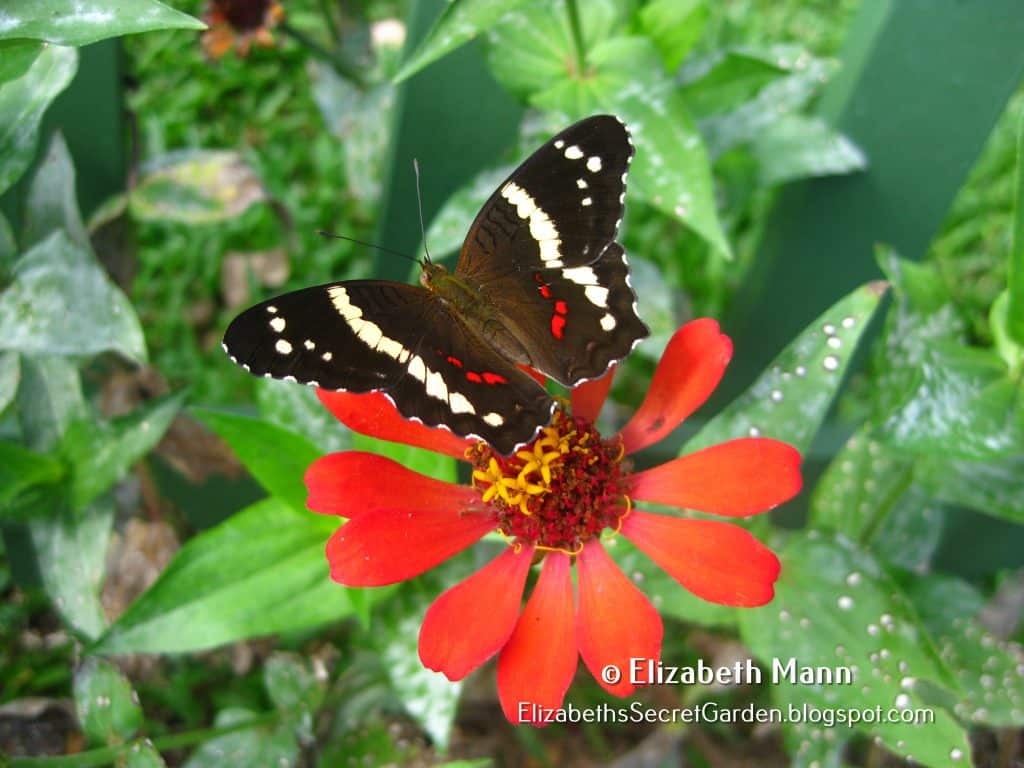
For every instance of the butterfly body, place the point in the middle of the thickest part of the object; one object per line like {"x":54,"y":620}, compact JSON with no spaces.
{"x":540,"y":282}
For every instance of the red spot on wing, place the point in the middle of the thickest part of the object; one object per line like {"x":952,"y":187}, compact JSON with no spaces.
{"x":476,"y":378}
{"x":494,"y":378}
{"x":561,"y":307}
{"x":545,"y":292}
{"x":558,"y":326}
{"x":455,"y":361}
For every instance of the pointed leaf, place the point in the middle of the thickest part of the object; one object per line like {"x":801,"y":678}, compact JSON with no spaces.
{"x":276,"y":457}
{"x":1015,"y":264}
{"x":790,"y":399}
{"x":995,"y":486}
{"x":22,"y":104}
{"x":798,"y":147}
{"x":675,"y":26}
{"x":62,"y":302}
{"x":71,"y":551}
{"x":21,"y":472}
{"x":196,"y":187}
{"x":264,"y":744}
{"x":459,"y":22}
{"x":101,"y":453}
{"x":10,"y":375}
{"x":835,"y":608}
{"x":49,"y":399}
{"x":51,"y":203}
{"x":80,"y":22}
{"x":989,"y":671}
{"x":107,"y":707}
{"x":259,"y":572}
{"x":299,"y":410}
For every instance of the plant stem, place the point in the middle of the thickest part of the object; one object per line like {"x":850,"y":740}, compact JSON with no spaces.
{"x":332,"y":26}
{"x":338,"y":62}
{"x":577,"y":36}
{"x":94,"y":758}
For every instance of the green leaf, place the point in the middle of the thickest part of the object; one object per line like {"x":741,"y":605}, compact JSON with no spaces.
{"x":798,"y":147}
{"x":78,"y":22}
{"x":142,"y":755}
{"x":987,"y":669}
{"x":49,"y":398}
{"x":268,"y":745}
{"x":299,"y":409}
{"x":10,"y":375}
{"x":101,"y":453}
{"x":995,"y":486}
{"x":16,"y":56}
{"x":259,"y":572}
{"x":62,"y":302}
{"x":533,"y":47}
{"x":779,"y":97}
{"x":460,"y":22}
{"x":868,"y":494}
{"x":196,"y":187}
{"x":724,"y":79}
{"x":21,"y":471}
{"x":963,"y":406}
{"x":278,"y":458}
{"x":675,"y":26}
{"x":355,"y":116}
{"x":790,"y":399}
{"x":428,"y":696}
{"x":8,"y":248}
{"x":71,"y":550}
{"x":835,"y":607}
{"x":51,"y":203}
{"x":1015,"y":263}
{"x":22,"y":104}
{"x":107,"y":707}
{"x":294,"y":691}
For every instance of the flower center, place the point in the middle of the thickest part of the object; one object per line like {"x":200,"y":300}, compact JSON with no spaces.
{"x":557,"y":492}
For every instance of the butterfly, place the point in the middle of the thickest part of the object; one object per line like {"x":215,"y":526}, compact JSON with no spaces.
{"x":540,"y":283}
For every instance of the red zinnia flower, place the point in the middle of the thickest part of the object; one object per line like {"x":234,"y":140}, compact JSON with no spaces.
{"x":551,"y":501}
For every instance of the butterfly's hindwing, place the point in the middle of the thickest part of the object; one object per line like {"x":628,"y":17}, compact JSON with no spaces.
{"x":575,"y":322}
{"x":372,"y":335}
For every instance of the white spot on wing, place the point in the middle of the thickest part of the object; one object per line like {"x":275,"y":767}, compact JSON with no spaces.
{"x":559,"y":144}
{"x":607,"y":322}
{"x":580,"y":275}
{"x":308,"y":344}
{"x":417,"y":369}
{"x":494,"y":419}
{"x":339,"y":297}
{"x":271,"y":309}
{"x":283,"y":347}
{"x":597,"y":295}
{"x":542,"y":229}
{"x":582,"y":183}
{"x":326,"y":357}
{"x":277,"y":324}
{"x":594,"y":164}
{"x":435,"y":386}
{"x":459,"y":403}
{"x":586,"y":201}
{"x":573,"y":153}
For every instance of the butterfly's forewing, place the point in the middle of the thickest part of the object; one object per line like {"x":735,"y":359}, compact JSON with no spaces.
{"x":372,"y":335}
{"x":543,"y":251}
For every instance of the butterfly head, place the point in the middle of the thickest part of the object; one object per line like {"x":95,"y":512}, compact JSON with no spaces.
{"x":431,"y":275}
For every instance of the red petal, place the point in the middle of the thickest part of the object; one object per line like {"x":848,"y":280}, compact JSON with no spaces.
{"x":589,"y":396}
{"x":354,"y":483}
{"x":536,"y":375}
{"x":472,"y":621}
{"x":717,"y":561}
{"x":374,"y":415}
{"x":393,"y":545}
{"x":688,"y":373}
{"x":738,"y":478}
{"x":539,"y":660}
{"x":615,"y":623}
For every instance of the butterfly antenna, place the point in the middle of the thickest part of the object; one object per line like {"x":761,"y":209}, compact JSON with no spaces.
{"x":322,"y":233}
{"x":419,"y":206}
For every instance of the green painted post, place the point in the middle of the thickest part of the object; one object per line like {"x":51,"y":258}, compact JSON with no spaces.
{"x":456,"y":120}
{"x":923,"y":82}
